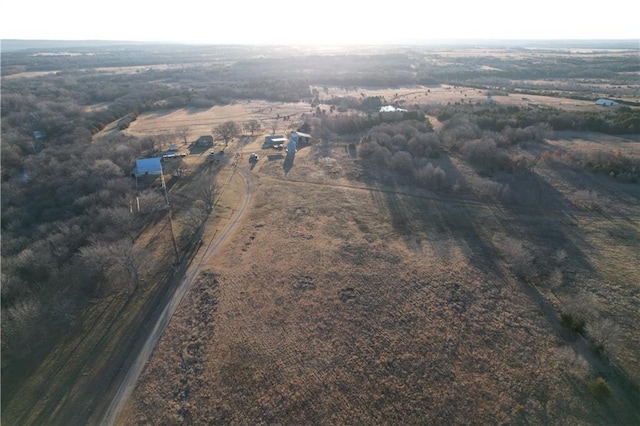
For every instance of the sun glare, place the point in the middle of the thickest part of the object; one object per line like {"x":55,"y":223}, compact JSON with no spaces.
{"x":329,"y":22}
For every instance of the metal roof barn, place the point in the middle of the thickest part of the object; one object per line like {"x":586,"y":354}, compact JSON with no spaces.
{"x":148,"y":166}
{"x":292,"y":146}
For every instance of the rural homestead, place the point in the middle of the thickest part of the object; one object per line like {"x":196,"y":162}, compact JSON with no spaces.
{"x":207,"y":219}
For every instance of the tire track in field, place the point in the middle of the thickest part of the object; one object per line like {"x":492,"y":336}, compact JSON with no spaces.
{"x":128,"y":383}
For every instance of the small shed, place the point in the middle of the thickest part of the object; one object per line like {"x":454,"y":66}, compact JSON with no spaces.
{"x":606,"y":102}
{"x":148,"y":166}
{"x":273,"y":140}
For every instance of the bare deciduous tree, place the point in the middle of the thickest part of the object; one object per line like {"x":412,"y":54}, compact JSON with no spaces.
{"x":120,"y":221}
{"x":163,"y":139}
{"x":520,"y":259}
{"x":252,"y":126}
{"x":116,"y":262}
{"x":429,"y":176}
{"x":184,"y":132}
{"x":604,"y":333}
{"x":209,"y":191}
{"x":150,"y":201}
{"x":130,"y":258}
{"x":195,"y":217}
{"x":227,"y":131}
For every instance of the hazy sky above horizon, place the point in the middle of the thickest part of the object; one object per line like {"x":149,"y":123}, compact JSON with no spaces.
{"x":326,"y":22}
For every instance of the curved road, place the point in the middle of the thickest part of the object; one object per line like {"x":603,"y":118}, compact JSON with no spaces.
{"x":130,"y":380}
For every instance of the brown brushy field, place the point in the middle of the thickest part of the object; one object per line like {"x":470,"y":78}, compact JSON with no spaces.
{"x":342,"y":300}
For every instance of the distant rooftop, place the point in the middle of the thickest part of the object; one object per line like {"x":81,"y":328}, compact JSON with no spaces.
{"x":391,"y":108}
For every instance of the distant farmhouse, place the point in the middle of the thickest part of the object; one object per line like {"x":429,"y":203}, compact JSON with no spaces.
{"x":147,"y":166}
{"x":606,"y":102}
{"x":391,"y":108}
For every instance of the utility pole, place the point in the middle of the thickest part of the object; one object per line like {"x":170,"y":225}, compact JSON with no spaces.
{"x":173,"y":234}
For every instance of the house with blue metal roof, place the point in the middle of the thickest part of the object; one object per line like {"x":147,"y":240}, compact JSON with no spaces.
{"x":148,"y":166}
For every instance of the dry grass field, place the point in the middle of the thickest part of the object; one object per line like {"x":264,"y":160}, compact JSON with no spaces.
{"x":202,"y":121}
{"x":445,"y":93}
{"x":342,"y":300}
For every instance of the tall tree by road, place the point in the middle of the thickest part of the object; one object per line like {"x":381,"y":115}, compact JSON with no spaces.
{"x":227,"y":131}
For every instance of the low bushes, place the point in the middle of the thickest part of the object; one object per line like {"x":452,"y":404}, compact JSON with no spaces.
{"x":600,"y":389}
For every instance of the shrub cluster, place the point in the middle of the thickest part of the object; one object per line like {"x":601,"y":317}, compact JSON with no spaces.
{"x":350,"y":124}
{"x":624,"y":167}
{"x":600,"y":389}
{"x":619,"y":120}
{"x":405,"y":148}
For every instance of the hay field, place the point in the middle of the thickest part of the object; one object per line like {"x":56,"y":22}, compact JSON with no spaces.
{"x":345,"y":301}
{"x":443,"y":94}
{"x":202,"y":121}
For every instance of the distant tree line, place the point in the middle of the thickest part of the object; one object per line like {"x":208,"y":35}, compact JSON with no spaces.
{"x":354,"y":123}
{"x":617,"y":120}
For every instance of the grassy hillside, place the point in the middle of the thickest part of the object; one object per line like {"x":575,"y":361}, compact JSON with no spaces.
{"x":356,"y":301}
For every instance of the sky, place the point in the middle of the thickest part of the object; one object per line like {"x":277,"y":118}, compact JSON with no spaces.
{"x":328,"y":22}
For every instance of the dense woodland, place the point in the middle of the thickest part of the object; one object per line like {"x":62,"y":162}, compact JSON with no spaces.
{"x":67,"y":232}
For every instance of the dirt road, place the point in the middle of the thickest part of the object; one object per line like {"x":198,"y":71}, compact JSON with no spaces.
{"x":128,"y":384}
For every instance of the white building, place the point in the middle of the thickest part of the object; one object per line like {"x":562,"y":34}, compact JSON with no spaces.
{"x":273,"y":140}
{"x":391,"y":108}
{"x":606,"y":102}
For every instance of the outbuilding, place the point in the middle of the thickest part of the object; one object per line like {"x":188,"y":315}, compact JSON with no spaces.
{"x":292,"y":147}
{"x":300,"y":138}
{"x":606,"y":102}
{"x":273,"y":140}
{"x":391,"y":108}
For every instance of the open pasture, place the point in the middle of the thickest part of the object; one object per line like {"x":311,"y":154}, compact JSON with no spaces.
{"x":353,"y":301}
